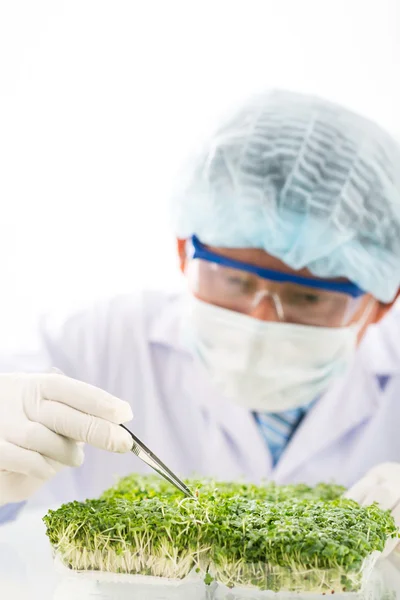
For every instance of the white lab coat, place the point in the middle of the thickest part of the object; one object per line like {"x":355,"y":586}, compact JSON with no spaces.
{"x":131,"y":347}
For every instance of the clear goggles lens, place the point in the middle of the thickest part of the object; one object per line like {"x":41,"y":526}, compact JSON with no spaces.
{"x":243,"y":292}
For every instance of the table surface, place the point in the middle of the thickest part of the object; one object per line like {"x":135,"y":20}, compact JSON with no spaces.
{"x":27,"y":570}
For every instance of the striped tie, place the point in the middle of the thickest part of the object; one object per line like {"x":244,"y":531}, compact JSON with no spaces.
{"x":277,"y":429}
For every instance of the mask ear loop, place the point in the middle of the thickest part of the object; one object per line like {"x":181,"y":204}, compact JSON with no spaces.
{"x":358,"y":325}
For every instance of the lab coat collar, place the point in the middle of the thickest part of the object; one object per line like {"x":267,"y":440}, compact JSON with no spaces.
{"x":233,"y":422}
{"x":165,"y":328}
{"x":338,"y":412}
{"x":229,"y":425}
{"x":360,"y":391}
{"x":380,"y":348}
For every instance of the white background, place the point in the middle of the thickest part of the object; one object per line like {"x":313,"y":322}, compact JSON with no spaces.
{"x":100,"y":100}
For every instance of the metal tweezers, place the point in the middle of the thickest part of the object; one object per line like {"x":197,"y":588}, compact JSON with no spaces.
{"x":155,"y":463}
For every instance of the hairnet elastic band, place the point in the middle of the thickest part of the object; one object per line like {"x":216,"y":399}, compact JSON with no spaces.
{"x":201,"y":252}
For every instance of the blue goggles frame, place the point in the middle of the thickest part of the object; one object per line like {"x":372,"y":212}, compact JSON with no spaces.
{"x":201,"y":252}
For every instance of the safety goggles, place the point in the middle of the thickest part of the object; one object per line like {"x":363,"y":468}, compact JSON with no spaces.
{"x":241,"y":287}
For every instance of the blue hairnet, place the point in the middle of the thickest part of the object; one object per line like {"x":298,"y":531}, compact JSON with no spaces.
{"x":307,"y":181}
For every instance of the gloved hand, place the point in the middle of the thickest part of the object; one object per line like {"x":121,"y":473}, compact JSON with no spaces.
{"x":382,"y":485}
{"x":43,"y":421}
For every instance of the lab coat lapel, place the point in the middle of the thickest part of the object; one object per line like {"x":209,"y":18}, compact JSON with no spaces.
{"x":233,"y":438}
{"x":234,"y":447}
{"x":350,"y":402}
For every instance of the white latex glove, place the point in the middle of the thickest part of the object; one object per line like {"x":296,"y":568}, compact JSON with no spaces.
{"x":382,"y":485}
{"x":43,"y":421}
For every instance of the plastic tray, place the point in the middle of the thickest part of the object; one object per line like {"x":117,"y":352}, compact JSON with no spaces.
{"x":96,"y":585}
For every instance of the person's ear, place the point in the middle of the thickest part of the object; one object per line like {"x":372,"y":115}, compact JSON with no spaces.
{"x":181,"y":248}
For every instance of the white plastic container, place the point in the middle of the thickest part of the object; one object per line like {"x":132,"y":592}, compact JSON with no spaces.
{"x":95,"y":585}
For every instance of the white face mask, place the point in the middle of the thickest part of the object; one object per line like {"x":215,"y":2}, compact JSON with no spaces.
{"x":264,"y":366}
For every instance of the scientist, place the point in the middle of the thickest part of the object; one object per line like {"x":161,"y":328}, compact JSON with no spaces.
{"x":282,"y":361}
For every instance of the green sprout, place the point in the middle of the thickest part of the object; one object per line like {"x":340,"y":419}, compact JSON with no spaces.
{"x":292,"y":538}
